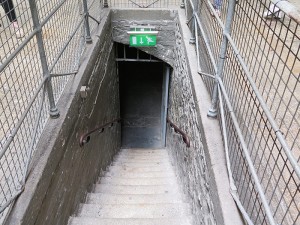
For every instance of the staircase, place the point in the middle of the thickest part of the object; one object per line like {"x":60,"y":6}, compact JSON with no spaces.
{"x":140,"y":188}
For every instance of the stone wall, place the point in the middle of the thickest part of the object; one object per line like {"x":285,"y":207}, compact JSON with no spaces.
{"x":63,"y":171}
{"x":191,"y":163}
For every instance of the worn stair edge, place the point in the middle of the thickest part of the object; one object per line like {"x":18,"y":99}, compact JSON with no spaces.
{"x":135,"y":189}
{"x":96,"y":198}
{"x":140,"y":169}
{"x":137,"y":181}
{"x":134,"y":210}
{"x":126,"y":174}
{"x":144,"y":221}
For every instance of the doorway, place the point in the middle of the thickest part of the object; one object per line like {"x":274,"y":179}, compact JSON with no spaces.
{"x":143,"y":102}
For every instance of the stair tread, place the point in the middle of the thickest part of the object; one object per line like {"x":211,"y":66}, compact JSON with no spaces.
{"x":132,"y":174}
{"x":128,"y":221}
{"x":139,"y":188}
{"x":137,"y":181}
{"x":143,"y":169}
{"x":95,"y":198}
{"x":134,"y":210}
{"x":135,"y":189}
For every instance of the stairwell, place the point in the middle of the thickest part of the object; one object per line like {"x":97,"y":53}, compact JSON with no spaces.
{"x":140,"y":188}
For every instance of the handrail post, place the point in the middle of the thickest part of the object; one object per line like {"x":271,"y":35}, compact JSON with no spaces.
{"x":54,"y":113}
{"x":222,"y":56}
{"x":88,"y":38}
{"x":193,"y":24}
{"x":182,"y":5}
{"x":105,"y":4}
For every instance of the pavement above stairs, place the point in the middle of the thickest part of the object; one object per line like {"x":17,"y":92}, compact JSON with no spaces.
{"x":140,"y":188}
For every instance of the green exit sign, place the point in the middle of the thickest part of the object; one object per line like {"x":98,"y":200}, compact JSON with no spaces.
{"x":142,"y":40}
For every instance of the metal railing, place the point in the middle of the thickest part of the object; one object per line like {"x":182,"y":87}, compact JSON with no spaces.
{"x":41,"y":42}
{"x":250,"y":65}
{"x":185,"y":137}
{"x":85,"y":138}
{"x":249,"y":56}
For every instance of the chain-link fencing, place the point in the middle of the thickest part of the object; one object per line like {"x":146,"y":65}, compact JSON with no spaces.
{"x":249,"y":57}
{"x":41,"y":43}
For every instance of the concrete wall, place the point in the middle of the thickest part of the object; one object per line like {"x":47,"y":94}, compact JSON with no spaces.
{"x":63,"y":171}
{"x":192,"y":163}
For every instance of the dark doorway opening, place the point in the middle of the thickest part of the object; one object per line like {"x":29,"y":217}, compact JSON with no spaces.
{"x":141,"y":104}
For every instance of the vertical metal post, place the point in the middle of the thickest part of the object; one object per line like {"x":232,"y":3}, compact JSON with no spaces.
{"x":54,"y":113}
{"x":105,"y":4}
{"x":223,"y":49}
{"x":165,"y":97}
{"x":193,"y":23}
{"x":182,"y":5}
{"x":88,"y":38}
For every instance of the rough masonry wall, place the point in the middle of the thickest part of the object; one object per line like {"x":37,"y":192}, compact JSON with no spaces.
{"x":192,"y":163}
{"x":162,"y":20}
{"x":64,"y":171}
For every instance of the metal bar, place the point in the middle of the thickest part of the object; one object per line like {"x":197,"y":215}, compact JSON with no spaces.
{"x":197,"y":47}
{"x":65,"y":46}
{"x":177,"y":130}
{"x":233,"y":189}
{"x":241,"y":208}
{"x":165,"y":97}
{"x":54,"y":113}
{"x":193,"y":39}
{"x":88,"y":38}
{"x":17,"y":50}
{"x":266,"y":110}
{"x":105,"y":4}
{"x":98,"y":22}
{"x":33,"y":137}
{"x":206,"y":43}
{"x":62,"y":74}
{"x":224,"y":131}
{"x":151,"y":4}
{"x":247,"y":155}
{"x":84,"y":138}
{"x":223,"y":49}
{"x":28,"y":38}
{"x":14,"y":132}
{"x":10,"y":200}
{"x":206,"y":74}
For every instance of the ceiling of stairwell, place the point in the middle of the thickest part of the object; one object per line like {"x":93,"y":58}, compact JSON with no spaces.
{"x":162,"y":20}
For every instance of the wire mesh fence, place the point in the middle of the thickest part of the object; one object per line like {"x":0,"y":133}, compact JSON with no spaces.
{"x":254,"y":57}
{"x":39,"y":40}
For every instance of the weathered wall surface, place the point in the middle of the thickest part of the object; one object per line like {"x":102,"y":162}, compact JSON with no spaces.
{"x":162,"y":20}
{"x":64,"y":171}
{"x":192,"y":163}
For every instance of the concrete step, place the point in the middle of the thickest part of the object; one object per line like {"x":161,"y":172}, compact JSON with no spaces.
{"x":135,"y":189}
{"x":143,"y":157}
{"x":96,"y":198}
{"x":143,"y":169}
{"x":141,"y":164}
{"x":133,"y":210}
{"x":128,"y":221}
{"x":137,"y":181}
{"x":129,"y":174}
{"x":144,"y":152}
{"x":131,"y":160}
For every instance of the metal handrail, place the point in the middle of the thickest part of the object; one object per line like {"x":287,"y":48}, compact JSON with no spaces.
{"x":85,"y":138}
{"x":177,"y":130}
